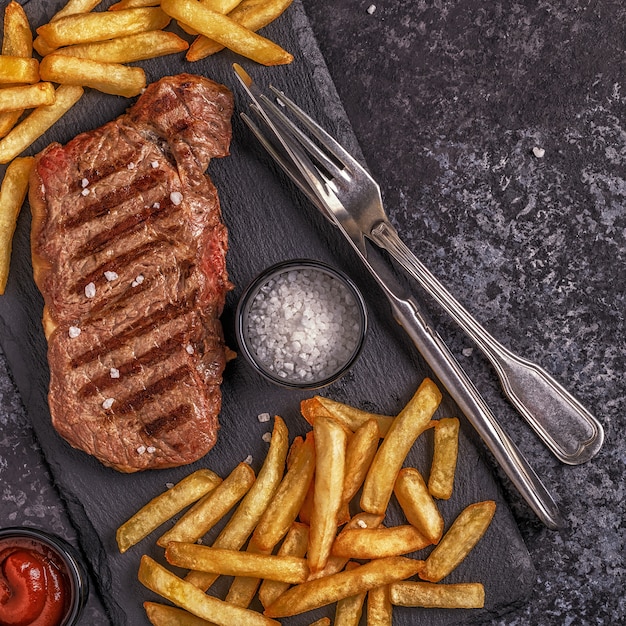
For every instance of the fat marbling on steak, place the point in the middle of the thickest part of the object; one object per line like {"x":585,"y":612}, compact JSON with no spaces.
{"x":129,"y":251}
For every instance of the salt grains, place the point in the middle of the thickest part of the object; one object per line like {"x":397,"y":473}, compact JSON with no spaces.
{"x":304,"y":325}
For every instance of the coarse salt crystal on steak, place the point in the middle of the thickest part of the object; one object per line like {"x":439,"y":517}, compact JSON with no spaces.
{"x":135,"y":222}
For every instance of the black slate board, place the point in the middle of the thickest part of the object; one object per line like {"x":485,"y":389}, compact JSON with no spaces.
{"x":268,"y":221}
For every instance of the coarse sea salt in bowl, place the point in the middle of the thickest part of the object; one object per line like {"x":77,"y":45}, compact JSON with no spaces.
{"x":301,"y":324}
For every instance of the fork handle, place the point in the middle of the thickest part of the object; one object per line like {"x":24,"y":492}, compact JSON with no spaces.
{"x":447,"y":369}
{"x":560,"y":421}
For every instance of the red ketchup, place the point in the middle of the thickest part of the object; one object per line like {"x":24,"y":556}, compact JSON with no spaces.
{"x":34,"y":585}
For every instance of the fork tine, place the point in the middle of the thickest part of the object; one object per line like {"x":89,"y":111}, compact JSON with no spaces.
{"x":287,"y":125}
{"x":285,"y":163}
{"x":325,"y":139}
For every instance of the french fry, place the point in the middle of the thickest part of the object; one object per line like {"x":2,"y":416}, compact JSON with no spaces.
{"x":75,"y":6}
{"x":379,"y":608}
{"x":360,"y":452}
{"x":26,"y":97}
{"x":38,"y":122}
{"x":445,"y":453}
{"x":18,"y":70}
{"x":251,"y":14}
{"x":288,"y":569}
{"x":198,"y":520}
{"x":12,"y":196}
{"x":316,"y":593}
{"x":295,"y":544}
{"x":18,"y":37}
{"x":376,"y":543}
{"x":185,"y":595}
{"x":287,"y":501}
{"x":254,"y":503}
{"x":242,"y":590}
{"x":164,"y":506}
{"x":166,"y":615}
{"x":349,"y":610}
{"x":307,"y":506}
{"x":408,"y":425}
{"x":465,"y":532}
{"x":349,"y":416}
{"x":134,"y":4}
{"x":322,"y":621}
{"x":433,"y":596}
{"x":99,"y":26}
{"x":220,"y":6}
{"x":226,"y":31}
{"x":337,"y":563}
{"x":17,"y":41}
{"x":418,"y":505}
{"x":129,"y":49}
{"x":112,"y":78}
{"x":330,"y":452}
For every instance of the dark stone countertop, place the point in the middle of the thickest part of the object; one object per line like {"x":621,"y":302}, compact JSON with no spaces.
{"x":448,"y":100}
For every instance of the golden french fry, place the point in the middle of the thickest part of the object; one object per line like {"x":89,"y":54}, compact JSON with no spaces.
{"x":185,"y":595}
{"x":165,"y":615}
{"x":287,"y":501}
{"x":360,"y":452}
{"x":164,"y":506}
{"x":330,"y":453}
{"x":322,"y":591}
{"x":307,"y":506}
{"x":465,"y":532}
{"x":434,"y":596}
{"x":129,"y":49}
{"x":243,"y":590}
{"x":134,"y":4}
{"x":75,"y":6}
{"x":418,"y":505}
{"x":348,"y":610}
{"x":12,"y":196}
{"x":18,"y":37}
{"x":99,"y":26}
{"x":113,"y":78}
{"x":375,"y":543}
{"x":17,"y":41}
{"x":288,"y":569}
{"x":198,"y":520}
{"x":379,"y":608}
{"x":322,"y":621}
{"x":251,"y":14}
{"x":405,"y":429}
{"x":18,"y":70}
{"x":26,"y":97}
{"x":337,"y":563}
{"x":254,"y":503}
{"x":445,"y":453}
{"x":38,"y":122}
{"x":295,"y":544}
{"x":226,"y":31}
{"x":349,"y":416}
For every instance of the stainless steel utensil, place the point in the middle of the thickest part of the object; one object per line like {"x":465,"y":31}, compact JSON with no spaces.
{"x":293,"y":156}
{"x":561,"y":422}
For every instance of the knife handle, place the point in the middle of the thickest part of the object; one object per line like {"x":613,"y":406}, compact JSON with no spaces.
{"x":571,"y":432}
{"x":452,"y":376}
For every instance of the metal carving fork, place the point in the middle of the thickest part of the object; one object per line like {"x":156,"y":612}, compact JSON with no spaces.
{"x":296,"y":156}
{"x":560,"y":421}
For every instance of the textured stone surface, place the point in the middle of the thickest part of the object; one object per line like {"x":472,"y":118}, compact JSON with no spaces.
{"x":448,"y":100}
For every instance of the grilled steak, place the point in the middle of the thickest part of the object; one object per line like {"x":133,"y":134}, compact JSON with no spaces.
{"x":129,"y":253}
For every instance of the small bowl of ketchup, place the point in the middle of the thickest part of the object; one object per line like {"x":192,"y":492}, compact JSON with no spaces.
{"x":42,"y":580}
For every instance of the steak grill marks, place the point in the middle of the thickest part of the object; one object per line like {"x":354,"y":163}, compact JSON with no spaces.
{"x":117,"y":209}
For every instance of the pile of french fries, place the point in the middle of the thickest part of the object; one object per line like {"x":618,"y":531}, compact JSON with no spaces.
{"x":82,"y":48}
{"x":302,"y":538}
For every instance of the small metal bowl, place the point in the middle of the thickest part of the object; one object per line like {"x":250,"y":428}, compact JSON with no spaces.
{"x":292,"y":336}
{"x":63,"y":554}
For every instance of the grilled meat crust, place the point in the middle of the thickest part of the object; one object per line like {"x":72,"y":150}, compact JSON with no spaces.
{"x":129,"y":249}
